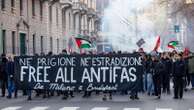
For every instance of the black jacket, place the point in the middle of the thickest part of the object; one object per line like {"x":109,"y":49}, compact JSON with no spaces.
{"x":159,"y":68}
{"x":10,"y":69}
{"x":179,"y":68}
{"x":168,"y":66}
{"x":3,"y":74}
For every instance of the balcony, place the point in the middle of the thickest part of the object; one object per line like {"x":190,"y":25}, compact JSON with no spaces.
{"x":76,"y":7}
{"x":84,"y":8}
{"x":98,"y":15}
{"x":66,"y":3}
{"x":91,"y":12}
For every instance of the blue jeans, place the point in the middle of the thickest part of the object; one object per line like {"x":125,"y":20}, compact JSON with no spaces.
{"x":144,"y":82}
{"x":11,"y":86}
{"x":150,"y":83}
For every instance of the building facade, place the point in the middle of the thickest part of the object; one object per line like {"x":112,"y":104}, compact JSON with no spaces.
{"x":103,"y":45}
{"x":181,"y":20}
{"x":40,"y":26}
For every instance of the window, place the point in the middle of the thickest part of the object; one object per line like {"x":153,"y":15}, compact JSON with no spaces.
{"x":64,"y":44}
{"x":50,"y":13}
{"x":12,"y":6}
{"x":80,"y":21}
{"x":12,"y":3}
{"x":33,"y":7}
{"x":34,"y":43}
{"x":41,"y":43}
{"x":21,"y":7}
{"x":57,"y":45}
{"x":51,"y":44}
{"x":74,"y":22}
{"x":2,"y":4}
{"x":57,"y":15}
{"x":64,"y":19}
{"x":69,"y":21}
{"x":90,"y":3}
{"x":41,"y":10}
{"x":13,"y":42}
{"x":4,"y":40}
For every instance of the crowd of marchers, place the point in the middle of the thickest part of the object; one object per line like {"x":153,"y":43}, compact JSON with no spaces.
{"x":160,"y":70}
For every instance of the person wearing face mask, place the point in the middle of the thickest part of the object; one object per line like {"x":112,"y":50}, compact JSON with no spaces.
{"x":178,"y":76}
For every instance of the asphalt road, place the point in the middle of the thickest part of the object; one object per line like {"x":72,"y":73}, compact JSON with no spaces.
{"x":95,"y":102}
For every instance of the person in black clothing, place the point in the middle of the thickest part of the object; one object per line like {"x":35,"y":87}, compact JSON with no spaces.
{"x":66,"y":93}
{"x":134,"y":92}
{"x":157,"y":76}
{"x":178,"y":75}
{"x":3,"y":74}
{"x":167,"y":73}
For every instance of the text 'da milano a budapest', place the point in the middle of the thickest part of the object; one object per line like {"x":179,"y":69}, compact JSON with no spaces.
{"x":79,"y":72}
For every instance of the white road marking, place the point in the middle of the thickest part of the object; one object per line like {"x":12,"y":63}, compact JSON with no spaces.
{"x":12,"y":108}
{"x":163,"y":109}
{"x":131,"y":109}
{"x":39,"y":108}
{"x":100,"y":108}
{"x":69,"y":108}
{"x":191,"y":109}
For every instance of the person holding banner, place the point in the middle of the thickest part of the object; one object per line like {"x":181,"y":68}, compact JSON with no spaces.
{"x":134,"y":92}
{"x":66,"y":93}
{"x":10,"y":72}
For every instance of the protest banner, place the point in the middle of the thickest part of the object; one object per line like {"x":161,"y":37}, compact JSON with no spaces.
{"x":79,"y":72}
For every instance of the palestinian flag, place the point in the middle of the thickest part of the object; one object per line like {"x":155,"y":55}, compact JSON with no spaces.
{"x":173,"y":44}
{"x":83,"y":43}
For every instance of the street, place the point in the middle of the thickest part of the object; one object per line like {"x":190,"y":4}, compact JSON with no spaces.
{"x":95,"y":102}
{"x":71,"y":54}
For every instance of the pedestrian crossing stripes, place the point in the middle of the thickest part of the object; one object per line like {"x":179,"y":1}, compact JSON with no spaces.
{"x":163,"y":109}
{"x":76,"y":108}
{"x":101,"y":108}
{"x":69,"y":108}
{"x":131,"y":109}
{"x":39,"y":108}
{"x":12,"y":108}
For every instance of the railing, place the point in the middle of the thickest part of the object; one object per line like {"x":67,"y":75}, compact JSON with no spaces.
{"x":66,"y":1}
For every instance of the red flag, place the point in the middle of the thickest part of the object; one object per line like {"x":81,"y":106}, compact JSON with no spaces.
{"x":186,"y":52}
{"x":157,"y":44}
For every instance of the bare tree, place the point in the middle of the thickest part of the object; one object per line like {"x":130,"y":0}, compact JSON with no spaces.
{"x":179,"y":6}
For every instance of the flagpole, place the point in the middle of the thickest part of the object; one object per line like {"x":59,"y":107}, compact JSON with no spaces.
{"x":80,"y":50}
